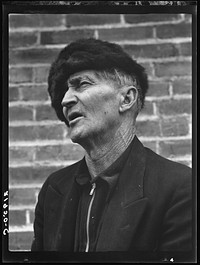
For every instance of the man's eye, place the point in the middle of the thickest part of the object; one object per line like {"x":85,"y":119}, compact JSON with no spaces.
{"x":85,"y":83}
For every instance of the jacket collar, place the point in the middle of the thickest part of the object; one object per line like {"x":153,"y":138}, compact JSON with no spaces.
{"x":131,"y":178}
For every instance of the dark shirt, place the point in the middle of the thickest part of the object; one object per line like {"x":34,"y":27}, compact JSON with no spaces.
{"x":105,"y":185}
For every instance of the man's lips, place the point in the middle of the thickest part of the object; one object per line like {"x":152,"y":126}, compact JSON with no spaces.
{"x":74,"y":116}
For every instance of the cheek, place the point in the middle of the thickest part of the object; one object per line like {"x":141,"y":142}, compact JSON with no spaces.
{"x":100,"y":110}
{"x":101,"y":104}
{"x":94,"y":106}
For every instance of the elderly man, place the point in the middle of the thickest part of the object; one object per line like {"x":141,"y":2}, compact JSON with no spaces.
{"x":121,"y":196}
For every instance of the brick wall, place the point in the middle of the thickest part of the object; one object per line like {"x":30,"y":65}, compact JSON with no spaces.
{"x":38,"y":142}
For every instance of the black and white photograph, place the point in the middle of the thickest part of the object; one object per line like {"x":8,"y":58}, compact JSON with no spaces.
{"x":99,"y":131}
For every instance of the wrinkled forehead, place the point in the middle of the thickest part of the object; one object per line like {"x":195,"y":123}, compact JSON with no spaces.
{"x":90,"y":75}
{"x":80,"y":74}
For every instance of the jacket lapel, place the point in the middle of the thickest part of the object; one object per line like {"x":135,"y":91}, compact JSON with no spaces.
{"x":61,"y":214}
{"x":66,"y":228}
{"x":127,"y":206}
{"x":51,"y":213}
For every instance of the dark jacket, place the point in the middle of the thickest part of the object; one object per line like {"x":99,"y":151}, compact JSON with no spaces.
{"x":150,"y":210}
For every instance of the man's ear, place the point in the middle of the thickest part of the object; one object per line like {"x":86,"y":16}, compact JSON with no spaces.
{"x":128,"y":98}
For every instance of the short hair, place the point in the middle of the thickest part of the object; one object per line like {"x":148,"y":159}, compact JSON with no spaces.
{"x":96,"y":55}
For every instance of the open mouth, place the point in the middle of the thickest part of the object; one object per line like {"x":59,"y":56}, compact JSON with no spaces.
{"x":74,"y":116}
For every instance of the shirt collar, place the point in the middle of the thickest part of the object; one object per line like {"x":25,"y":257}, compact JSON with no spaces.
{"x":110,"y":175}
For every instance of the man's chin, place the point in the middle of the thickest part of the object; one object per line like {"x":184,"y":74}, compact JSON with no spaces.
{"x":77,"y":137}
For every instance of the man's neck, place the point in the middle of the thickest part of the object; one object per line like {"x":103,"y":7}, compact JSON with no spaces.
{"x":101,"y":156}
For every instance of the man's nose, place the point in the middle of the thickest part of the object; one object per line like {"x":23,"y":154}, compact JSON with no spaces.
{"x":69,"y":99}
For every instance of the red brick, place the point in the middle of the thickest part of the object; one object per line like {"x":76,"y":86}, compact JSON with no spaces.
{"x":148,"y":128}
{"x":21,"y":133}
{"x":175,"y":148}
{"x":138,"y":18}
{"x":51,"y":132}
{"x":27,"y":175}
{"x":35,"y":20}
{"x":65,"y":36}
{"x":91,"y":19}
{"x":158,"y":88}
{"x":175,"y":126}
{"x":13,"y":93}
{"x":152,"y":50}
{"x":186,"y":49}
{"x":173,"y":107}
{"x":173,"y":69}
{"x":17,"y":217}
{"x":174,"y":31}
{"x":22,"y":39}
{"x":20,"y":196}
{"x":118,"y":34}
{"x":51,"y":20}
{"x":59,"y":152}
{"x":17,"y":21}
{"x":33,"y":55}
{"x":20,"y":240}
{"x":45,"y":112}
{"x":20,"y":75}
{"x":182,"y":86}
{"x":46,"y":132}
{"x":37,"y":92}
{"x":18,"y":154}
{"x":40,"y":74}
{"x":20,"y":113}
{"x":148,"y":108}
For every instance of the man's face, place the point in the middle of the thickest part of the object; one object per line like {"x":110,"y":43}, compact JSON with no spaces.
{"x":91,"y":106}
